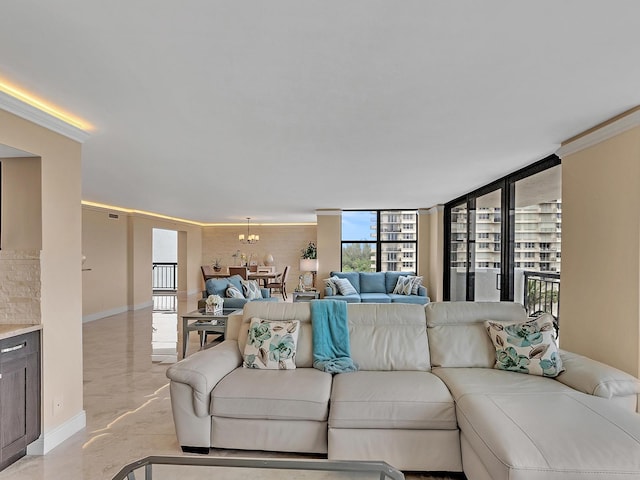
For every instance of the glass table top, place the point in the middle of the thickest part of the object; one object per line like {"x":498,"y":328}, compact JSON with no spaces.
{"x":192,"y":467}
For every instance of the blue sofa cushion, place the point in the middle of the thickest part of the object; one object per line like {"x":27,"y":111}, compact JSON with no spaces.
{"x":417,"y":299}
{"x":216,"y":286}
{"x":391,"y":278}
{"x":353,"y":277}
{"x":236,"y":281}
{"x":375,"y":298}
{"x":347,"y":298}
{"x":372,"y":282}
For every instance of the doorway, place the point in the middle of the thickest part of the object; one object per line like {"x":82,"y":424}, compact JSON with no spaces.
{"x":504,"y":237}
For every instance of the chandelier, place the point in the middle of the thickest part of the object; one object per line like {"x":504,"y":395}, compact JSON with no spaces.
{"x":250,"y":238}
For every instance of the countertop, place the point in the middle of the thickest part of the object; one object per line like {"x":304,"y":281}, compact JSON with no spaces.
{"x":8,"y":330}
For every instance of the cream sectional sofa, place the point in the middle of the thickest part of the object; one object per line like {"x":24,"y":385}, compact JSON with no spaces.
{"x":425,"y":398}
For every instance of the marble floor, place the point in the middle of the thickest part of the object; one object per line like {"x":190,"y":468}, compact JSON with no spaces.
{"x":127,"y":403}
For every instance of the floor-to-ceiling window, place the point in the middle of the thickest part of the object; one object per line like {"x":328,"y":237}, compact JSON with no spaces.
{"x":379,"y":240}
{"x":503,"y":240}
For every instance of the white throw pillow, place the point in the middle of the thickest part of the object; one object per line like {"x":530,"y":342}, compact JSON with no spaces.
{"x":417,"y":282}
{"x":526,"y":347}
{"x":251,"y":289}
{"x":344,"y":286}
{"x":271,"y":345}
{"x":403,"y":285}
{"x":233,"y":292}
{"x":331,"y":283}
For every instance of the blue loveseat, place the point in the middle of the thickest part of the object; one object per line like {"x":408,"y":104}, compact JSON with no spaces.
{"x":376,"y":287}
{"x":218,"y":286}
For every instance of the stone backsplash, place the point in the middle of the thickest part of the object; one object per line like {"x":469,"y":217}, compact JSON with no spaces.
{"x":20,"y":286}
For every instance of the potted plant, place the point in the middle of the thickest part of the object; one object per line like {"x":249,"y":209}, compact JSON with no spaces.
{"x":308,"y":267}
{"x":217,"y":264}
{"x":310,"y":251}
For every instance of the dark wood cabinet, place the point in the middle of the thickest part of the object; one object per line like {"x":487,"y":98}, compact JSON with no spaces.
{"x":19,"y":395}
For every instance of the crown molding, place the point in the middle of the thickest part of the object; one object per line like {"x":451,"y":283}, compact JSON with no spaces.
{"x":39,"y":117}
{"x":328,"y":211}
{"x":601,"y":132}
{"x":431,"y":210}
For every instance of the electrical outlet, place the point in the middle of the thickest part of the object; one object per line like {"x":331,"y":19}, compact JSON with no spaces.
{"x":57,"y":404}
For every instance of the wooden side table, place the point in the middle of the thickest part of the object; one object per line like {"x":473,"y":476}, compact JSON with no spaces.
{"x":306,"y":296}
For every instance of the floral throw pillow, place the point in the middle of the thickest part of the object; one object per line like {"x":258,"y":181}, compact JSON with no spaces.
{"x":251,"y":289}
{"x":271,"y":345}
{"x":528,"y":347}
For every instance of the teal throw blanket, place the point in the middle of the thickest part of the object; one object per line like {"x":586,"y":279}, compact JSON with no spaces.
{"x":331,"y":349}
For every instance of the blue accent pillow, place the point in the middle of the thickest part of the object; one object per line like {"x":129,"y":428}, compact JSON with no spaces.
{"x":236,"y":281}
{"x":216,"y":286}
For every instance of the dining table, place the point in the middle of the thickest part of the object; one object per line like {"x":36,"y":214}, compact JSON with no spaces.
{"x":263,"y":277}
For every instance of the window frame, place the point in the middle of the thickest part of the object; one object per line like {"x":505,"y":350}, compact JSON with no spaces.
{"x":377,"y":243}
{"x":507,"y":185}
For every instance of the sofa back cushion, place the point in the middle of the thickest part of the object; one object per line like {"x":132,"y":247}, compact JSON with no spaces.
{"x":457,"y":335}
{"x":353,"y":277}
{"x":391,"y":279}
{"x":372,"y":282}
{"x":277,"y":311}
{"x":388,"y":336}
{"x":216,"y":286}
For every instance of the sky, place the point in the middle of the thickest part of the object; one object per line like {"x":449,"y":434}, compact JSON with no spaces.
{"x":356,"y":225}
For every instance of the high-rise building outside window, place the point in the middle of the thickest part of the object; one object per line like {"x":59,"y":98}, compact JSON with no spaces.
{"x":379,"y":240}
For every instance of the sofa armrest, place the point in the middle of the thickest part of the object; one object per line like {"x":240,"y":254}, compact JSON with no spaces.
{"x":203,"y":370}
{"x":595,"y":378}
{"x":422,"y":291}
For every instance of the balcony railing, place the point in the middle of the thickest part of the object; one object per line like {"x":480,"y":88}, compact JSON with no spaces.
{"x":542,"y":293}
{"x":165,"y":276}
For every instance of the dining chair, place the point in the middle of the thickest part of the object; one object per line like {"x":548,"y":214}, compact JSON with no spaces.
{"x":242,"y":271}
{"x":253,"y":268}
{"x":280,"y":283}
{"x":207,"y":272}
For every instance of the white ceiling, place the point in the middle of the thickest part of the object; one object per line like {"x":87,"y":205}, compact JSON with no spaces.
{"x":218,"y":110}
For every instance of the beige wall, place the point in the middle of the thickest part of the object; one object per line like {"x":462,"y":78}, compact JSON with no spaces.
{"x":600,"y":304}
{"x":431,"y":250}
{"x":60,"y":272}
{"x":284,"y":242}
{"x":120,"y":251}
{"x":329,"y":246}
{"x":21,"y":203}
{"x":104,"y":280}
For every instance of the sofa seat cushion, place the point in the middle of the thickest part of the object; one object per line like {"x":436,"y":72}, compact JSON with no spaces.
{"x":465,"y":381}
{"x":551,"y":436}
{"x":300,"y":394}
{"x":391,"y":400}
{"x":374,"y":298}
{"x":346,"y":298}
{"x":417,"y":299}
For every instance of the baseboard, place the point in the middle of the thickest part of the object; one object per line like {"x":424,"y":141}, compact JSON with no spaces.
{"x":106,"y":313}
{"x":140,"y":306}
{"x":51,"y":439}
